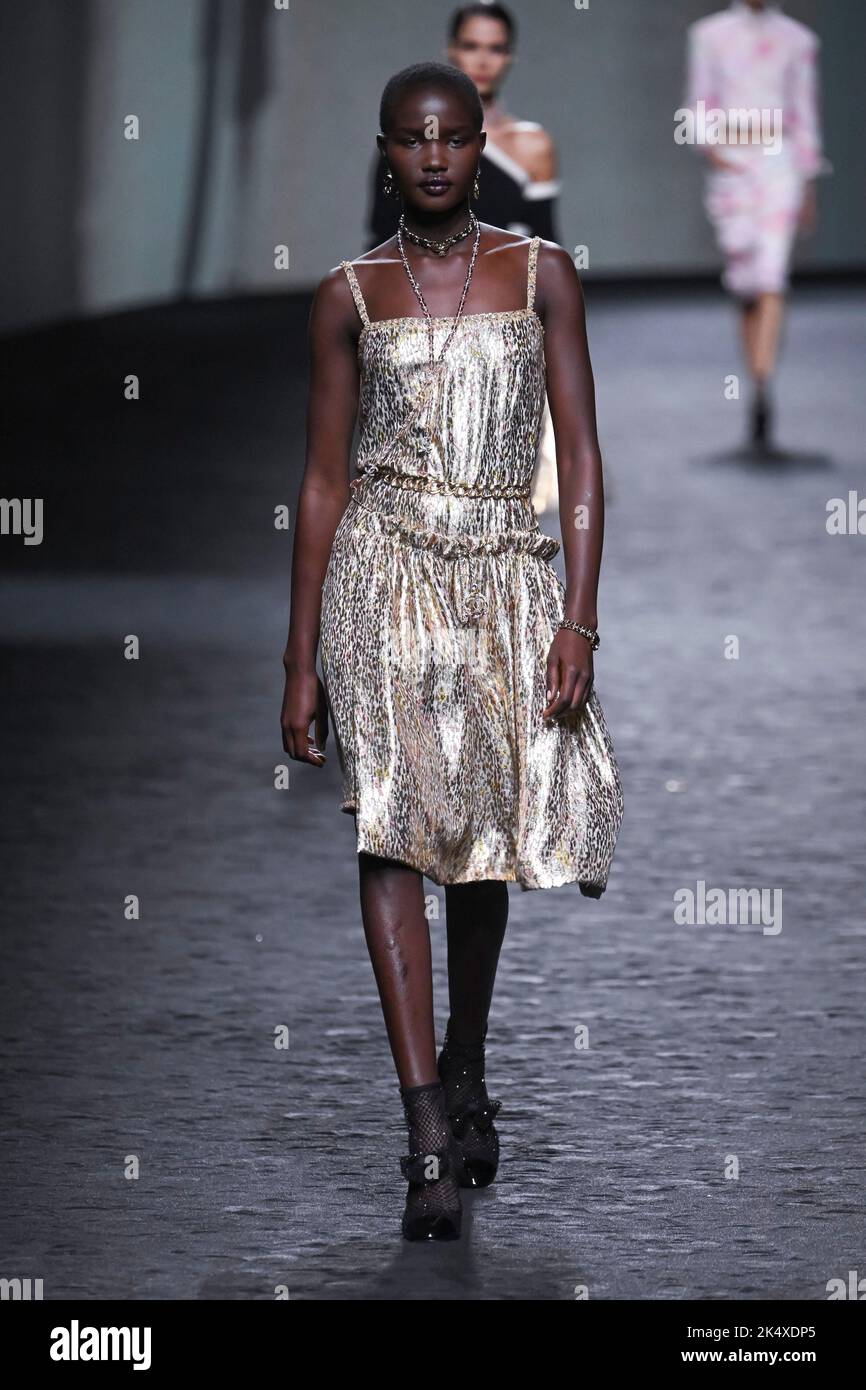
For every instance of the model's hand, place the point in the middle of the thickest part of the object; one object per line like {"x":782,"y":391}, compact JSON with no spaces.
{"x":304,"y":701}
{"x":808,"y":219}
{"x":569,"y":674}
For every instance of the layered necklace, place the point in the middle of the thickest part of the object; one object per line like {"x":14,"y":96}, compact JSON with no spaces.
{"x":435,"y":245}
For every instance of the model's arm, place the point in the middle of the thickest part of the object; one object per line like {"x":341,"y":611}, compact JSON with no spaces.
{"x":541,"y":192}
{"x":571,"y":394}
{"x":331,"y":409}
{"x":535,"y":151}
{"x":801,"y":111}
{"x":803,"y":118}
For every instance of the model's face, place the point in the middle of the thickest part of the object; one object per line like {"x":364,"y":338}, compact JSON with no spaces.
{"x":433,"y":149}
{"x":481,"y":50}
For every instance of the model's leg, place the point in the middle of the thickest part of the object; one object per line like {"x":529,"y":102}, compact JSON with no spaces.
{"x":762,"y":323}
{"x":477,"y":918}
{"x":775,"y":229}
{"x":748,"y":320}
{"x":774,"y":244}
{"x":477,"y":915}
{"x":398,"y":939}
{"x":768,"y":327}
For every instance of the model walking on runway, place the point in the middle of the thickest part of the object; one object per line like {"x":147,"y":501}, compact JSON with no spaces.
{"x":457,"y":668}
{"x":751,"y":58}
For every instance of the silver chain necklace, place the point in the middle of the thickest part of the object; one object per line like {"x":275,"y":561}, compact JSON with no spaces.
{"x":440,"y":247}
{"x":417,"y":288}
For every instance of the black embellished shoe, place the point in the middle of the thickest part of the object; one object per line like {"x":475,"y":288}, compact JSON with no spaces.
{"x":433,"y":1207}
{"x":471,"y":1112}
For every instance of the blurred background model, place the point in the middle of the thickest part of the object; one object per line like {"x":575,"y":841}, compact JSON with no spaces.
{"x":753,"y":62}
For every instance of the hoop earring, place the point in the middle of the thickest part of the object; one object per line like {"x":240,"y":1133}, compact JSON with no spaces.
{"x":476,"y":189}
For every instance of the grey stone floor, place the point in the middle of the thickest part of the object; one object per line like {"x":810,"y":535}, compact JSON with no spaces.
{"x":153,"y":1041}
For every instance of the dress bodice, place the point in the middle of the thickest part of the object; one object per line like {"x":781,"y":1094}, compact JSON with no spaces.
{"x":480,"y":423}
{"x":445,"y":460}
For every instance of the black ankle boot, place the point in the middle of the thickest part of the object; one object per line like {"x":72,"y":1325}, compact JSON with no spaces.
{"x":761,"y":418}
{"x":470,"y":1110}
{"x":433,"y":1207}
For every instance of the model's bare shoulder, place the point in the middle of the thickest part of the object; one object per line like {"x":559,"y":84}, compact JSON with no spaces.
{"x":555,"y":263}
{"x":532,"y":136}
{"x":500,"y":238}
{"x":534,"y":148}
{"x":333,"y":306}
{"x":367,"y":269}
{"x":532,"y":132}
{"x":379,"y":255}
{"x":334,"y":288}
{"x":557,"y":282}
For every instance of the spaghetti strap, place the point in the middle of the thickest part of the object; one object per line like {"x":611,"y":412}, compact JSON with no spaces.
{"x":530,"y":285}
{"x":356,"y":292}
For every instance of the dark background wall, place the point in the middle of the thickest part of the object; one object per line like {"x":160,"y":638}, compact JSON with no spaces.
{"x":258,"y":127}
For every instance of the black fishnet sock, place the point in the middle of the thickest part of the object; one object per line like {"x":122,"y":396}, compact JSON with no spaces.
{"x":433,"y":1205}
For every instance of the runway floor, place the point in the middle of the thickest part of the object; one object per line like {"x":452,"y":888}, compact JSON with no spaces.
{"x":158,"y":1143}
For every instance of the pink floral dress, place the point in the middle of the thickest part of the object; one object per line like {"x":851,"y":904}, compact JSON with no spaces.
{"x":744,"y":59}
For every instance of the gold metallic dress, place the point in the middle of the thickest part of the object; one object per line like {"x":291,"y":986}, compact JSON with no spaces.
{"x":438,"y":610}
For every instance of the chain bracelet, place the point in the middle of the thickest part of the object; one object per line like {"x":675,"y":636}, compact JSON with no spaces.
{"x":588,"y":632}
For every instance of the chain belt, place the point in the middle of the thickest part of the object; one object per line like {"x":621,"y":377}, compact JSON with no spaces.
{"x":419,"y":482}
{"x":467,"y":572}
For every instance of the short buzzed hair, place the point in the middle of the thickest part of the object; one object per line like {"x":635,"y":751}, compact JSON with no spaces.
{"x":442,"y":75}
